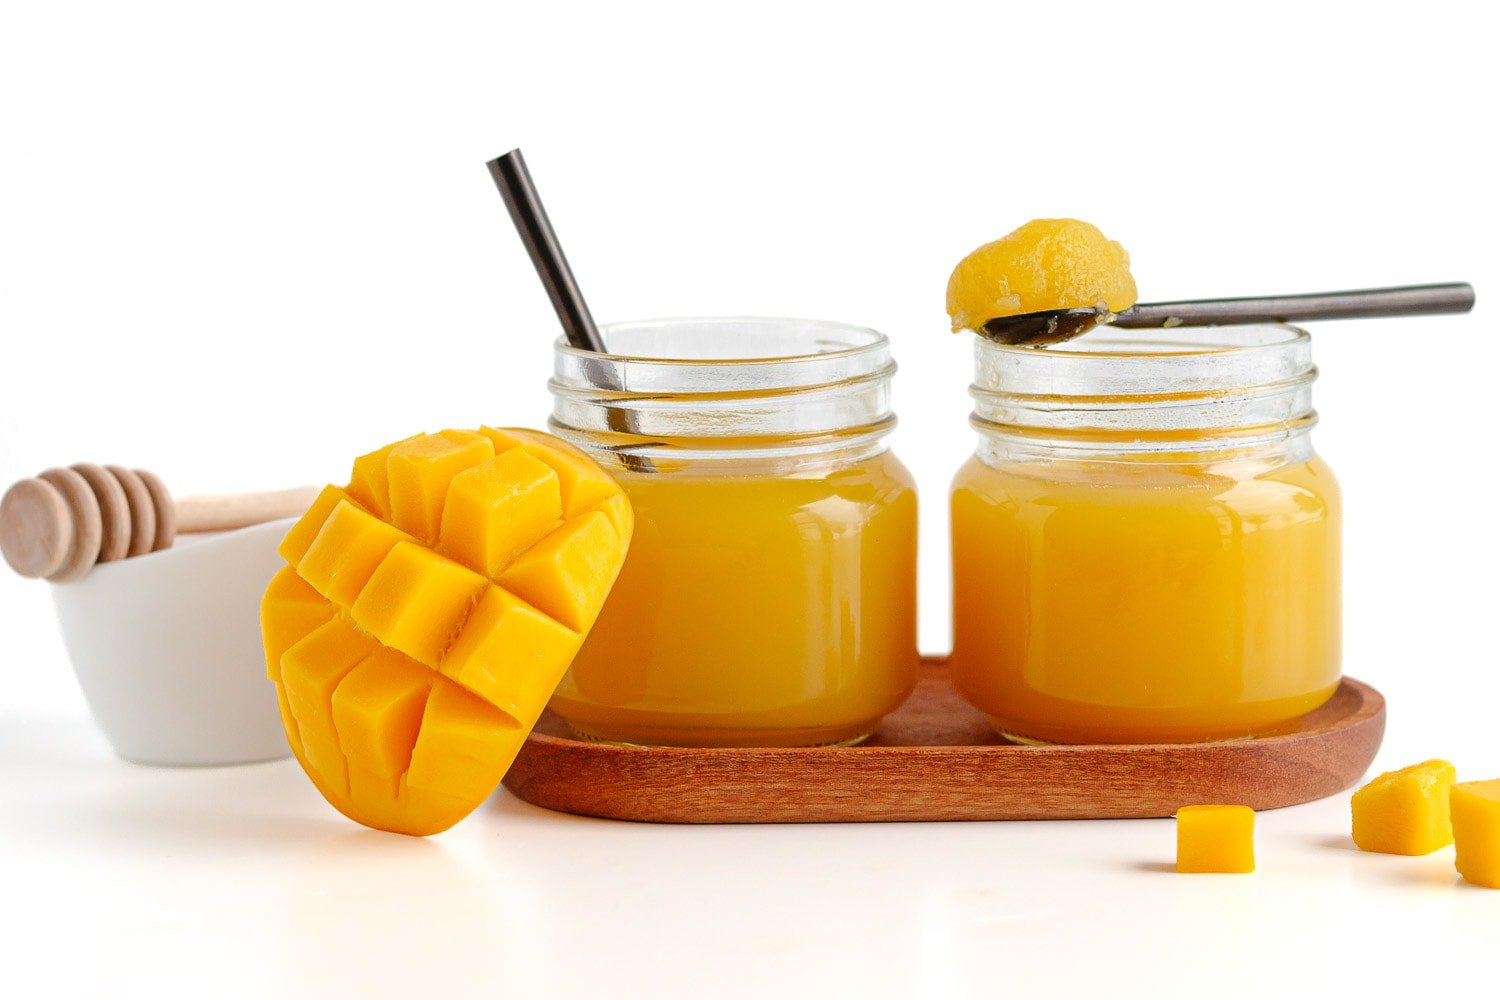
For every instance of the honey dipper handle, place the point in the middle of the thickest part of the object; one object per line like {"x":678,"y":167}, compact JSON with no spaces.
{"x":240,"y":510}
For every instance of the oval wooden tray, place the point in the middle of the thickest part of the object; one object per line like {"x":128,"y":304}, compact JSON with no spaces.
{"x":936,"y":758}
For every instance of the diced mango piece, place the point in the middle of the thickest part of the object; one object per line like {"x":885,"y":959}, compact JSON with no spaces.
{"x":1476,"y":831}
{"x":584,"y":486}
{"x":1216,"y":839}
{"x":417,"y":602}
{"x":498,"y":509}
{"x":621,"y":515}
{"x":465,"y":746}
{"x":1405,"y":811}
{"x":511,"y":655}
{"x":407,"y":680}
{"x":310,"y":671}
{"x":289,"y":610}
{"x":1044,"y":265}
{"x":370,"y":480}
{"x":569,"y":573}
{"x":420,"y":469}
{"x":294,"y":546}
{"x":344,"y":555}
{"x":377,"y":709}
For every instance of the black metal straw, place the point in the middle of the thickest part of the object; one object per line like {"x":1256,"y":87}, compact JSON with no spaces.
{"x":526,"y":211}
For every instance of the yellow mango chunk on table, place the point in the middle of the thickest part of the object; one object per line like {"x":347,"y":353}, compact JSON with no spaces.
{"x":1405,"y":811}
{"x":429,"y":609}
{"x":1476,"y":831}
{"x":1216,"y":838}
{"x":1044,"y":265}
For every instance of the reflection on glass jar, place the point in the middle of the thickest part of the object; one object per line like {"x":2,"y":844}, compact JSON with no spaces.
{"x":1145,"y":546}
{"x":769,"y":596}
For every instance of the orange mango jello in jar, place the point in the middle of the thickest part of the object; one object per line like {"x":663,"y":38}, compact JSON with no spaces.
{"x":769,"y":594}
{"x":1145,"y":546}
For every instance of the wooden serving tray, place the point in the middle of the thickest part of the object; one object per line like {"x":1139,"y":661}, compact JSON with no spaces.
{"x":936,"y":758}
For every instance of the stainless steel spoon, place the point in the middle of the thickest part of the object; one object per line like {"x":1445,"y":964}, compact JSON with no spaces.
{"x":1057,"y":325}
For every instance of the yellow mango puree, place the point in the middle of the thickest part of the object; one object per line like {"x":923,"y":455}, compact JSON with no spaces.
{"x":774,"y":609}
{"x":1137,"y":602}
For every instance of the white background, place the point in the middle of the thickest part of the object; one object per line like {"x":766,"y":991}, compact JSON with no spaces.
{"x":239,"y":245}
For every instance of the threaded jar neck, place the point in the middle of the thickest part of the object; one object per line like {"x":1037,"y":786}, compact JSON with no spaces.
{"x":1146,"y":394}
{"x":732,"y":388}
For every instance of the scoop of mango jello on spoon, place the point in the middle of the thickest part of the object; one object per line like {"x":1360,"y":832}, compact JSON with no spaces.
{"x":1054,"y":279}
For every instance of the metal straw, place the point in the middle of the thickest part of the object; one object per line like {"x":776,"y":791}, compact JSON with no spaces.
{"x":546,"y":253}
{"x":526,"y":211}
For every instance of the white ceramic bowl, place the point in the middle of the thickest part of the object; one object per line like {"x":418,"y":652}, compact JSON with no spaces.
{"x":167,"y":649}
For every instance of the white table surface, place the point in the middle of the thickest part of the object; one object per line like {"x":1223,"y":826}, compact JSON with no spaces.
{"x":241,"y":881}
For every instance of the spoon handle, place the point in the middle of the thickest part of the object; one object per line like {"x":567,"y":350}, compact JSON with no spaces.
{"x":1409,"y":300}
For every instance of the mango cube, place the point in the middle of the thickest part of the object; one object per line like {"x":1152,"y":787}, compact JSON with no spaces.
{"x":294,"y":546}
{"x":499,"y":509}
{"x":420,"y":470}
{"x":1405,"y":811}
{"x":295,"y":610}
{"x":464,"y":747}
{"x":511,"y":655}
{"x":377,"y":710}
{"x":310,"y":673}
{"x":370,"y":480}
{"x":345,"y":552}
{"x":417,"y":601}
{"x":582,"y":489}
{"x":1476,"y":831}
{"x":428,"y":611}
{"x":1216,"y":839}
{"x":565,"y":574}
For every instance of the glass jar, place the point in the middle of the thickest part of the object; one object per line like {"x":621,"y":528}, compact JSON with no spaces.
{"x":1145,"y":546}
{"x":769,"y":595}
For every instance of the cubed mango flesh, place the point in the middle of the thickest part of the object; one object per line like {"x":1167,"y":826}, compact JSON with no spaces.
{"x":420,"y":471}
{"x":429,"y":609}
{"x":1216,"y":839}
{"x":1476,"y":831}
{"x":1044,"y":265}
{"x":1405,"y":811}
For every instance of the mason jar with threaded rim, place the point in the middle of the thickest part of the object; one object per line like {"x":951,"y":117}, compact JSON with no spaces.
{"x":769,"y":595}
{"x":1145,"y":546}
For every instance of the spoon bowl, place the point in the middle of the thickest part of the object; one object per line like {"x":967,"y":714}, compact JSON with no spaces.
{"x":1040,"y":328}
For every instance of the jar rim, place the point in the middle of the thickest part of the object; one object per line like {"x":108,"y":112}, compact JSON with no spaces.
{"x":873,"y":339}
{"x":1149,"y":391}
{"x":1285,"y":335}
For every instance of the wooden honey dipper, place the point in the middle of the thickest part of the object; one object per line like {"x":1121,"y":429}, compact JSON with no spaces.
{"x":59,"y":524}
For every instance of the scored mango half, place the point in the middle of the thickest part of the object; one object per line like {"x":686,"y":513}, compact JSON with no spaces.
{"x":427,"y":612}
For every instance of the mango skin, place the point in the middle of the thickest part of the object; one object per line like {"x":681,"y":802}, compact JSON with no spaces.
{"x":1405,"y":811}
{"x":1476,"y":831}
{"x":408,"y":668}
{"x":1216,"y":838}
{"x":1044,"y":265}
